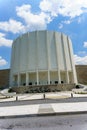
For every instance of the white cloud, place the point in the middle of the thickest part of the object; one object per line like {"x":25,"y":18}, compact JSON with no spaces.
{"x":12,"y":26}
{"x":79,"y":20}
{"x":85,"y":44}
{"x":67,"y":21}
{"x":82,"y":52}
{"x":64,"y":22}
{"x":80,"y":60}
{"x":51,"y":6}
{"x":4,"y":41}
{"x":49,"y":10}
{"x":60,"y":25}
{"x":33,"y":21}
{"x":64,"y":7}
{"x":2,"y":61}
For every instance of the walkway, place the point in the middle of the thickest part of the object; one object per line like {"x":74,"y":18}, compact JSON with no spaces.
{"x":43,"y":109}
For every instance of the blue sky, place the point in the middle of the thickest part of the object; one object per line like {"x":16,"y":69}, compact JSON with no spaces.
{"x":20,"y":16}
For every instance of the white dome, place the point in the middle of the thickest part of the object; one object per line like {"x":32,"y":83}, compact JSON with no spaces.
{"x":42,"y":57}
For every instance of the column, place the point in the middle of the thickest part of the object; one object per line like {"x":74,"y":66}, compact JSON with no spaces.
{"x":48,"y":77}
{"x":67,"y":76}
{"x":18,"y":80}
{"x":37,"y":76}
{"x":57,"y":53}
{"x":27,"y":75}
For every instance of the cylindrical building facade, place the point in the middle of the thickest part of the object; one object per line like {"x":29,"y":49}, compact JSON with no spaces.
{"x":42,"y":57}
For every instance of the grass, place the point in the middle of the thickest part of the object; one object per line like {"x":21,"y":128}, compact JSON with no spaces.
{"x":4,"y":97}
{"x":81,"y":92}
{"x":57,"y":97}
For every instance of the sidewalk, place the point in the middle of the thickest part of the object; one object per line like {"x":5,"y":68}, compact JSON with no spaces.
{"x":42,"y":109}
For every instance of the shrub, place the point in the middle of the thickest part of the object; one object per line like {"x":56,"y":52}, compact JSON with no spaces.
{"x":10,"y":90}
{"x":77,"y":86}
{"x":26,"y":91}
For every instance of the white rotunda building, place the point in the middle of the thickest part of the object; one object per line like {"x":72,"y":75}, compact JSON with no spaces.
{"x":41,"y":58}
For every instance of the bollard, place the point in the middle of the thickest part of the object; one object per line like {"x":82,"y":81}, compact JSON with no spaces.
{"x":44,"y":95}
{"x":16,"y":98}
{"x":71,"y":95}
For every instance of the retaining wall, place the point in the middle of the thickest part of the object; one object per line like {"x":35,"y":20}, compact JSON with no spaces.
{"x":43,"y":88}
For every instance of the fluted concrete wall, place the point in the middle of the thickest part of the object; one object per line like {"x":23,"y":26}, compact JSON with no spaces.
{"x":42,"y":53}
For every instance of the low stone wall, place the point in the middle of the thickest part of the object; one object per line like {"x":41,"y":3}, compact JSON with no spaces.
{"x":43,"y":88}
{"x":4,"y":78}
{"x":81,"y":74}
